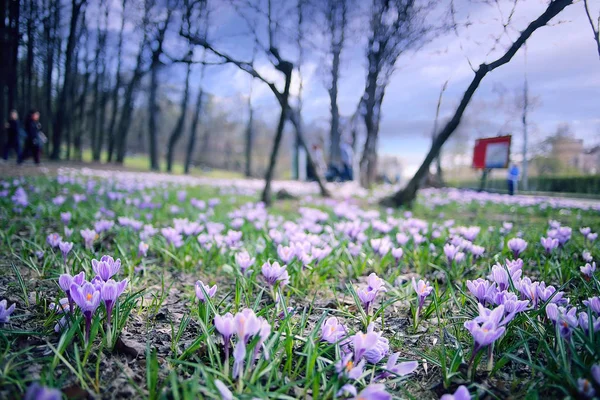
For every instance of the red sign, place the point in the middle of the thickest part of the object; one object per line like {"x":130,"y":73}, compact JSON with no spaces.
{"x":492,"y":152}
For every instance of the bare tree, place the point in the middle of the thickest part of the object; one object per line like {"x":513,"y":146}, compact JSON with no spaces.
{"x":336,"y":12}
{"x":128,"y":98}
{"x":285,"y":67}
{"x":157,"y":46}
{"x":434,"y":133}
{"x":117,"y":87}
{"x":594,"y":25}
{"x":60,"y":121}
{"x":396,"y":26}
{"x":407,"y":195}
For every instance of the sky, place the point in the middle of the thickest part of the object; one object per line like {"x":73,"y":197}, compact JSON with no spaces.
{"x":561,"y":63}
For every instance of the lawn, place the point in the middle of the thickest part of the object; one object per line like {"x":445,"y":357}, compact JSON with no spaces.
{"x":138,"y":287}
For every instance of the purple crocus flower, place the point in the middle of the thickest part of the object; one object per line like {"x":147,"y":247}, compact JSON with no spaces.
{"x":588,"y":270}
{"x":347,"y":367}
{"x":88,"y":300}
{"x":587,"y":256}
{"x":484,"y":334}
{"x":89,"y":236}
{"x":462,"y":393}
{"x":367,"y":295}
{"x":109,"y":293}
{"x":65,"y":217}
{"x":363,"y":342}
{"x":451,"y":251}
{"x":566,"y":320}
{"x":225,"y":325}
{"x":586,"y":388}
{"x":286,"y":253}
{"x":545,"y":293}
{"x":244,"y":261}
{"x":500,"y":276}
{"x":103,"y":225}
{"x":423,"y":289}
{"x":142,"y":249}
{"x":374,"y":391}
{"x":393,"y":368}
{"x":246,"y":325}
{"x":511,"y":302}
{"x":585,"y":230}
{"x":68,"y":232}
{"x":65,"y":281}
{"x":549,"y":244}
{"x":332,"y":330}
{"x":106,"y":268}
{"x":53,"y":239}
{"x":274,"y":273}
{"x":596,"y":373}
{"x":517,"y":246}
{"x":593,"y":303}
{"x":39,"y":392}
{"x":584,"y":322}
{"x":5,"y":312}
{"x":592,"y":237}
{"x":397,"y":253}
{"x":172,"y":237}
{"x":210,"y":291}
{"x":381,"y":348}
{"x":65,"y":248}
{"x":483,"y":290}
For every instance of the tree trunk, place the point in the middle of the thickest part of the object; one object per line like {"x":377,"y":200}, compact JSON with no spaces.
{"x":61,"y":111}
{"x":249,"y":139}
{"x":287,"y":71}
{"x":369,"y":157}
{"x":152,"y":115}
{"x":13,"y":52}
{"x":407,"y":195}
{"x":193,"y":129}
{"x":3,"y":70}
{"x":178,"y":130}
{"x":115,"y":93}
{"x":31,"y":21}
{"x":334,"y":134}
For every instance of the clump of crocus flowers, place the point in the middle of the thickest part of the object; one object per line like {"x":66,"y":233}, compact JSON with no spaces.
{"x":89,"y":295}
{"x":245,"y":325}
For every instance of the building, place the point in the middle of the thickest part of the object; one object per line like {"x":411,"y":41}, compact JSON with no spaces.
{"x":568,"y":150}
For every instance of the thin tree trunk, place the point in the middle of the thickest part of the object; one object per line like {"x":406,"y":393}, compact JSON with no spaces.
{"x":407,"y":195}
{"x":193,"y":129}
{"x":61,"y":111}
{"x":3,"y":69}
{"x":115,"y":93}
{"x":178,"y":130}
{"x":152,"y":115}
{"x":13,"y":52}
{"x":266,"y":194}
{"x":30,"y":55}
{"x":249,"y":139}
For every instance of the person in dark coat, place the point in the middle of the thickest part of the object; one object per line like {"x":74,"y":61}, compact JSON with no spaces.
{"x":33,"y":140}
{"x":13,"y":130}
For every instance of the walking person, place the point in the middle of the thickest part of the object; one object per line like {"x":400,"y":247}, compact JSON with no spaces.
{"x":35,"y":138}
{"x":513,"y":179}
{"x":13,"y":130}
